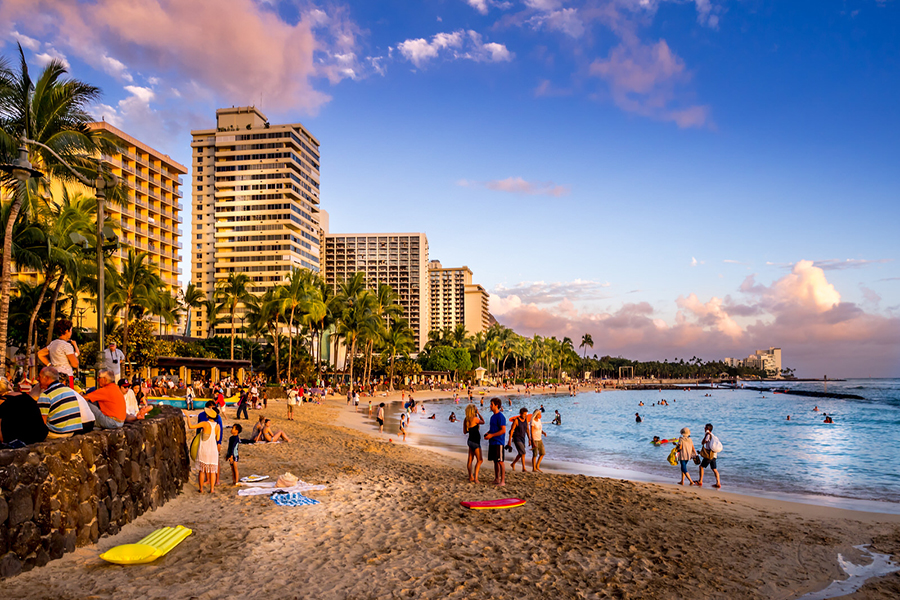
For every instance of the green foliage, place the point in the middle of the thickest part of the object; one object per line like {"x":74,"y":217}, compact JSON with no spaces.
{"x":143,"y":347}
{"x":446,"y":358}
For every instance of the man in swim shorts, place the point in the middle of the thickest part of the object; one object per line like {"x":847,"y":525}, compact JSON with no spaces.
{"x":496,"y":437}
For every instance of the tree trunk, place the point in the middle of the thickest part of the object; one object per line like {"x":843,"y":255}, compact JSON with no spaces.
{"x":6,"y":275}
{"x":53,"y":300}
{"x":276,"y":339}
{"x":30,"y":349}
{"x":352,"y":356}
{"x":391,"y":380}
{"x":124,"y":342}
{"x":290,"y":343}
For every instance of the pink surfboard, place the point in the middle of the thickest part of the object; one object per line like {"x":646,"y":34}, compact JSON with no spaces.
{"x":494,"y":504}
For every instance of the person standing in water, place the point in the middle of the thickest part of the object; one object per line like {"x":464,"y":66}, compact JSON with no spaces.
{"x":380,"y":418}
{"x":536,"y":430}
{"x":685,"y":453}
{"x":709,"y":457}
{"x":471,"y":426}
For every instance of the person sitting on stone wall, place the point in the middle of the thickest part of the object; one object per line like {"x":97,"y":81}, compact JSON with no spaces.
{"x":59,"y":405}
{"x":107,"y":402}
{"x":20,"y":417}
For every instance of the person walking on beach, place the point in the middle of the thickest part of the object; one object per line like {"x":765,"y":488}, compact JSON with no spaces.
{"x":231,"y":455}
{"x":709,"y":457}
{"x":684,"y":453}
{"x":380,"y":418}
{"x":496,"y":437}
{"x":519,"y":427}
{"x":291,"y":403}
{"x":537,"y":443}
{"x":471,"y":425}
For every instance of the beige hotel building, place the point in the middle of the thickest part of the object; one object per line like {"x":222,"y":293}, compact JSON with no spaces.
{"x":255,"y":203}
{"x":398,"y":259}
{"x":456,"y":300}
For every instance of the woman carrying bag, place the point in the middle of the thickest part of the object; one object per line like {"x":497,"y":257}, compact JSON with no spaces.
{"x":685,"y":452}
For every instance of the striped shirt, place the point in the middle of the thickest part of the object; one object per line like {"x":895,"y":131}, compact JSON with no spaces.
{"x":59,"y":405}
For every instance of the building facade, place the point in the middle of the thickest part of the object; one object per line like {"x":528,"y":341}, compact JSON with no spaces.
{"x":255,"y":203}
{"x":151,"y":221}
{"x":455,"y":300}
{"x":397,"y":259}
{"x":764,"y":360}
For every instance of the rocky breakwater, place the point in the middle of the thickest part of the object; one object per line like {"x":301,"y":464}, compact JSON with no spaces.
{"x":63,"y":494}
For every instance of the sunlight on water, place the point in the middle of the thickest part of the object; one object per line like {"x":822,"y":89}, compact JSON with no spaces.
{"x":854,"y":458}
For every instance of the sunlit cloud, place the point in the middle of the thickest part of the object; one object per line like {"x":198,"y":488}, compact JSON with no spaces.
{"x":517,"y":185}
{"x":801,"y":312}
{"x":458,"y":44}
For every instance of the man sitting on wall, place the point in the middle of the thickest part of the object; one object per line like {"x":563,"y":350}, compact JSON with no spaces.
{"x":107,"y":402}
{"x":59,"y":405}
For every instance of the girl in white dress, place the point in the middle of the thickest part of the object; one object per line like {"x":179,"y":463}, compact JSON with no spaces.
{"x":208,"y":454}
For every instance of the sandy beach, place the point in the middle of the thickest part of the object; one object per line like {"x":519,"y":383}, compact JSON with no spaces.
{"x":390,"y":526}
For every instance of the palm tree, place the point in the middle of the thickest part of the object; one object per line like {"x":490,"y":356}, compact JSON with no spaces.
{"x":298,"y":287}
{"x":51,"y":110}
{"x":212,"y":314}
{"x":397,"y":339}
{"x":586,"y":342}
{"x":136,"y":289}
{"x":231,"y":293}
{"x":193,"y":298}
{"x":356,"y":318}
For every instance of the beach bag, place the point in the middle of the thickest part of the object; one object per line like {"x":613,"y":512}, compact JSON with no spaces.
{"x":195,"y":446}
{"x":714,"y":444}
{"x":287,"y":480}
{"x":672,"y":460}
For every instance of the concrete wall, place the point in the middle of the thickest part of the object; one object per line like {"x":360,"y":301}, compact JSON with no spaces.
{"x":63,"y":494}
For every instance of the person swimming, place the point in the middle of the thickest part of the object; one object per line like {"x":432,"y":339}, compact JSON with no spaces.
{"x":828,"y":420}
{"x":637,"y":418}
{"x":655,"y":440}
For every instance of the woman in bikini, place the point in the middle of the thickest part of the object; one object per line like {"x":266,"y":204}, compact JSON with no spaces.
{"x":470,"y":426}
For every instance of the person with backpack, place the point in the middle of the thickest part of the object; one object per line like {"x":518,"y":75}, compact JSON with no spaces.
{"x":710,"y":447}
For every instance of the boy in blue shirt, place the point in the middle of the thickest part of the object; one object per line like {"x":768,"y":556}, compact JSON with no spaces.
{"x":496,"y":437}
{"x":232,"y":454}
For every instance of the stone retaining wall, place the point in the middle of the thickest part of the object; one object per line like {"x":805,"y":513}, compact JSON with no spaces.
{"x":63,"y":494}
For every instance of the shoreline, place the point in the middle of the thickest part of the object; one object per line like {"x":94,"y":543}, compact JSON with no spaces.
{"x":389,"y":525}
{"x":439,"y":443}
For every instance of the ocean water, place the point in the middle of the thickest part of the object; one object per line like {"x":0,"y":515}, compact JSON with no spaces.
{"x":857,"y":457}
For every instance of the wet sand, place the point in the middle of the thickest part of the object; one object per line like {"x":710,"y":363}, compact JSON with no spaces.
{"x":390,"y":526}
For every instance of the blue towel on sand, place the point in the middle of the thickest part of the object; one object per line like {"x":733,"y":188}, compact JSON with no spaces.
{"x":294,"y":499}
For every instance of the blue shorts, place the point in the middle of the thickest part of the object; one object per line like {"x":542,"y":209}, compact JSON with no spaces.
{"x":684,"y":464}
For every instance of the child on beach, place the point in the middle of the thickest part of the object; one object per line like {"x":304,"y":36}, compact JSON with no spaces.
{"x":403,"y":419}
{"x":232,"y":454}
{"x":380,"y":418}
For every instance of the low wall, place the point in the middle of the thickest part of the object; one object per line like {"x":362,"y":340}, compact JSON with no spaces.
{"x":63,"y":494}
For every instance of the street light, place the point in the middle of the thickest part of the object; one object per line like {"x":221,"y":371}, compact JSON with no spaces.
{"x":22,"y":170}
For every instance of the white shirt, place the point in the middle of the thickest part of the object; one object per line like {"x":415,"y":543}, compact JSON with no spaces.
{"x":87,"y":415}
{"x":59,"y":352}
{"x":109,"y":357}
{"x":131,"y":403}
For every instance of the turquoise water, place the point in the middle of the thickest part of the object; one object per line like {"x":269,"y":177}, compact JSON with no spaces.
{"x":856,"y":457}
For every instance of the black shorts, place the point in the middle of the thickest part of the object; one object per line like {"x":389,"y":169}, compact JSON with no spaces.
{"x":495,"y":453}
{"x":380,"y":421}
{"x":709,"y":462}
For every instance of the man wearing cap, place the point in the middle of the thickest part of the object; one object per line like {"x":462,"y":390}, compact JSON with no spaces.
{"x":113,"y":359}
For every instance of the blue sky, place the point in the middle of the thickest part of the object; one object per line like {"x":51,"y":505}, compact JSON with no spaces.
{"x":673,"y":177}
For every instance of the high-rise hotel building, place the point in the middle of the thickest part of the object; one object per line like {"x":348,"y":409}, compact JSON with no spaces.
{"x":455,"y":300}
{"x":255,"y":203}
{"x":398,"y":259}
{"x":150,"y":221}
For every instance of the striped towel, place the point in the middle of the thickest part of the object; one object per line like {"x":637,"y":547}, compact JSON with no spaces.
{"x":295,"y":499}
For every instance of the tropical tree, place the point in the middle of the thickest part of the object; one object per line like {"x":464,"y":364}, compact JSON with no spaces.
{"x":231,"y":293}
{"x":586,"y":342}
{"x":356,"y":318}
{"x":192,"y":298}
{"x":135,"y":291}
{"x":52,"y":111}
{"x":397,"y":340}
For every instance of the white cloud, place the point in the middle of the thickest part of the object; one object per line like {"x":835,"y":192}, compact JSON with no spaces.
{"x":566,"y":21}
{"x":458,"y":44}
{"x":479,"y":5}
{"x":517,"y":185}
{"x":51,"y":53}
{"x":115,"y":67}
{"x":29,"y":43}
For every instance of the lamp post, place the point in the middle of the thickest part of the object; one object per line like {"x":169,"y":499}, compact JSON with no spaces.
{"x":243,"y":337}
{"x":21,"y":169}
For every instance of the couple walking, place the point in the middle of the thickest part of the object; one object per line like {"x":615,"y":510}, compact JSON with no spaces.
{"x":685,"y":452}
